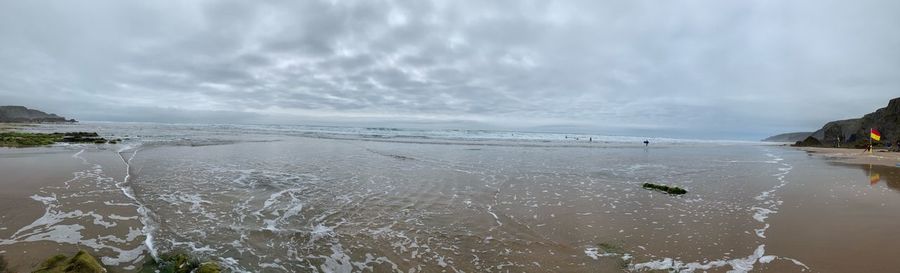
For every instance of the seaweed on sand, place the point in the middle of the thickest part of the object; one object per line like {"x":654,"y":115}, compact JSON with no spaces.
{"x":22,"y":139}
{"x":667,"y":189}
{"x":179,"y":262}
{"x":28,"y":139}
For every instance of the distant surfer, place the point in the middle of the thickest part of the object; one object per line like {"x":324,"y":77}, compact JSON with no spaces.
{"x":646,"y":143}
{"x":590,"y":139}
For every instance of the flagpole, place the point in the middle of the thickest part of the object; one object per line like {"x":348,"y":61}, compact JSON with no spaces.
{"x":870,"y":141}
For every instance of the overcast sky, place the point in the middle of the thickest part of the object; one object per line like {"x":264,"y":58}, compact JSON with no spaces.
{"x":720,"y":69}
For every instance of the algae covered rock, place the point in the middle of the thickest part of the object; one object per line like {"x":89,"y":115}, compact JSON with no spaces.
{"x":667,"y":189}
{"x":24,"y":139}
{"x":808,"y":142}
{"x":82,"y":262}
{"x":209,"y":267}
{"x":29,"y":139}
{"x":179,"y":262}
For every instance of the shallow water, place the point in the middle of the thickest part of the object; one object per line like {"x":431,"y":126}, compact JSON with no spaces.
{"x":287,"y":200}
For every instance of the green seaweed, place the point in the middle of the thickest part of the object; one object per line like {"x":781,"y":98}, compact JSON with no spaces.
{"x":82,"y":262}
{"x":667,"y":189}
{"x":610,"y":248}
{"x":209,"y":267}
{"x":53,"y":261}
{"x":179,"y":262}
{"x":23,"y":139}
{"x":28,"y":139}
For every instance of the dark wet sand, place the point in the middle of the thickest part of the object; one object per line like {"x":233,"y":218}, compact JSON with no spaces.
{"x":30,"y":173}
{"x":841,"y":216}
{"x":24,"y":173}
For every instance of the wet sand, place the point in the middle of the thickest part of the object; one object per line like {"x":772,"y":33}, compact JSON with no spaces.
{"x":25,"y":172}
{"x":313,"y":205}
{"x":840,"y":215}
{"x":54,"y":201}
{"x":856,"y":156}
{"x":15,"y":126}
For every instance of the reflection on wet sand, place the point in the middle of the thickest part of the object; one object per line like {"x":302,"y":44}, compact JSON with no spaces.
{"x":880,"y":175}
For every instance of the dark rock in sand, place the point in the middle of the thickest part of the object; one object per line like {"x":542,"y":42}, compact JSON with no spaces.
{"x":21,"y":114}
{"x":664,"y":188}
{"x":83,"y":137}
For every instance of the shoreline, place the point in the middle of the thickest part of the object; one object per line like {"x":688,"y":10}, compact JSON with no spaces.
{"x":855,"y":156}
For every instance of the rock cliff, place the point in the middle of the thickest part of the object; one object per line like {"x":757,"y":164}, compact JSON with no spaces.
{"x":788,"y":137}
{"x":22,"y":114}
{"x":855,"y":131}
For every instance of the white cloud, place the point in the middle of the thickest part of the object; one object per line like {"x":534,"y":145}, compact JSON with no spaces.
{"x":678,"y":67}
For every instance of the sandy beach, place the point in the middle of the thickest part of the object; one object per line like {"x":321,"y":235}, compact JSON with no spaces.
{"x":856,"y":156}
{"x":261,"y":200}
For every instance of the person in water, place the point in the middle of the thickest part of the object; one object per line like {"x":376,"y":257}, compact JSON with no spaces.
{"x":646,"y":142}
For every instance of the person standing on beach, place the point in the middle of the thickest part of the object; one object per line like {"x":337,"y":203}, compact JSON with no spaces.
{"x":646,"y":143}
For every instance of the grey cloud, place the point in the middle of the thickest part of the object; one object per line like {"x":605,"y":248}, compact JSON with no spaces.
{"x":742,"y":69}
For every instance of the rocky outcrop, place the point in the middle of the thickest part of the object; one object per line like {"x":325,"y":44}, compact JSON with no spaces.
{"x":808,"y":142}
{"x":180,"y":262}
{"x":25,"y":115}
{"x":855,"y":132}
{"x":28,"y":139}
{"x":667,"y":189}
{"x":788,"y":137}
{"x":82,"y":262}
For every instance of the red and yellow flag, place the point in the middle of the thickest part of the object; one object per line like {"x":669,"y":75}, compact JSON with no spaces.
{"x":875,"y":135}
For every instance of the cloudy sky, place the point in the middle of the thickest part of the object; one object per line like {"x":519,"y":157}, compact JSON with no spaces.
{"x":720,"y":69}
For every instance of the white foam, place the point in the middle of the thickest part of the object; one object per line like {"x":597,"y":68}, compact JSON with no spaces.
{"x":338,"y":261}
{"x":760,"y":214}
{"x":143,"y":211}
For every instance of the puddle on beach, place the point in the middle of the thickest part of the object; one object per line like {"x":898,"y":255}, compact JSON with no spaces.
{"x":878,"y":175}
{"x":324,"y":205}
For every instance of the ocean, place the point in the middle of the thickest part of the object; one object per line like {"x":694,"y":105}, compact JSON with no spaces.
{"x":270,"y":198}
